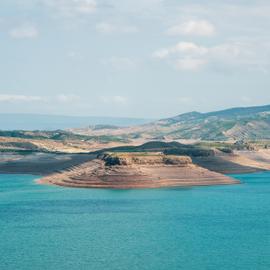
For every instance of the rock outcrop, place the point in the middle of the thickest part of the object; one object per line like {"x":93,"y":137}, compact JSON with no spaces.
{"x":124,"y":159}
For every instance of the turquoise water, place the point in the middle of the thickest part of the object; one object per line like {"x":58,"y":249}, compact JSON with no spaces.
{"x":225,"y":227}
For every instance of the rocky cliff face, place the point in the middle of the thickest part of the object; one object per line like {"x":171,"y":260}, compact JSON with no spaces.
{"x":125,"y":159}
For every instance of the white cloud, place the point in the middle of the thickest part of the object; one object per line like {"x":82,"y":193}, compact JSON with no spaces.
{"x":72,"y":7}
{"x":188,"y":47}
{"x":20,"y":98}
{"x":185,"y":56}
{"x":196,"y":28}
{"x":118,"y":100}
{"x":109,"y":28}
{"x":183,"y":48}
{"x":191,"y":56}
{"x":24,"y":31}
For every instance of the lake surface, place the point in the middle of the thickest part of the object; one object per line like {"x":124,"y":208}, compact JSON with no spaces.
{"x":53,"y":228}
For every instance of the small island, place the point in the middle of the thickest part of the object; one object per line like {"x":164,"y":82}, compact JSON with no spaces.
{"x":137,"y":170}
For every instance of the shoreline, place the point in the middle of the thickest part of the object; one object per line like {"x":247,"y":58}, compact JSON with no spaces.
{"x":47,"y":174}
{"x":74,"y":170}
{"x":37,"y":181}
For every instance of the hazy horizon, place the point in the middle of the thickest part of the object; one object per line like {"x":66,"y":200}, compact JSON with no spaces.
{"x":124,"y":117}
{"x":145,"y":58}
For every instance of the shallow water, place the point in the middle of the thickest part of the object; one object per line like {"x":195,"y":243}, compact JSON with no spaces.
{"x":222,"y":227}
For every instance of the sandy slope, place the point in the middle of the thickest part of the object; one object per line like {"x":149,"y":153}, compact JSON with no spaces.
{"x":40,"y":163}
{"x":239,"y":162}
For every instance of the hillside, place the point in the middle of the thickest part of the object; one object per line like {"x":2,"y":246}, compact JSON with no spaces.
{"x":250,"y":123}
{"x":168,"y":148}
{"x":55,"y":141}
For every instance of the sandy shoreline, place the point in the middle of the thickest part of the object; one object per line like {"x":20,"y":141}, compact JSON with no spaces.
{"x":40,"y":163}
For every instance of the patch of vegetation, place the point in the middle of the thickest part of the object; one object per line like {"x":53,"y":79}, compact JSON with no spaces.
{"x":108,"y":138}
{"x":225,"y":150}
{"x":61,"y":135}
{"x":98,"y":127}
{"x":19,"y":145}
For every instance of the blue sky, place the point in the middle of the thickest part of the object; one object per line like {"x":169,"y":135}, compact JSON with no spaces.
{"x":143,"y":58}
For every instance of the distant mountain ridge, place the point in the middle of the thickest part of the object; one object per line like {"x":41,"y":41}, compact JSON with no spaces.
{"x":252,"y":123}
{"x":237,"y":112}
{"x":242,"y":123}
{"x":240,"y":111}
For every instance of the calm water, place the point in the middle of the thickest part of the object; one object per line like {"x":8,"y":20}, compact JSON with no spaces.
{"x":56,"y":228}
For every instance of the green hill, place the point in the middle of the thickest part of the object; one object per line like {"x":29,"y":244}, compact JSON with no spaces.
{"x":251,"y":123}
